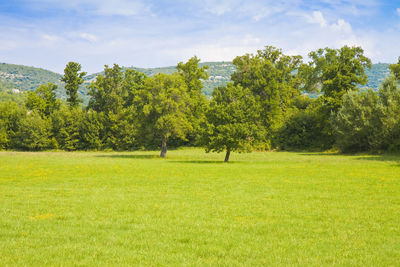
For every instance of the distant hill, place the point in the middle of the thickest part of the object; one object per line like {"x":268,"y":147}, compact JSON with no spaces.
{"x":18,"y":78}
{"x":219,"y":74}
{"x":23,"y":78}
{"x":377,"y":74}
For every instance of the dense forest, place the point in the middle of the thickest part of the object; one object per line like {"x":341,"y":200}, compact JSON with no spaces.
{"x":261,"y":101}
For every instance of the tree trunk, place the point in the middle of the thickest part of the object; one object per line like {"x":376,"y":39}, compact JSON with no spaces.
{"x":163,"y":147}
{"x":228,"y":153}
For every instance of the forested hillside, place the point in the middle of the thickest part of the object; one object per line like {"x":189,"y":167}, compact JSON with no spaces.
{"x":15,"y":78}
{"x":24,"y":78}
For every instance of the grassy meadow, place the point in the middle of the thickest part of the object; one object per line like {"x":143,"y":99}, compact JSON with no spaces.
{"x":124,"y":209}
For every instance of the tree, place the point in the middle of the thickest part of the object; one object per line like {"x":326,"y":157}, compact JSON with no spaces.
{"x":335,"y":72}
{"x":193,"y":76}
{"x":43,"y":100}
{"x":73,"y":78}
{"x":233,"y":120}
{"x":163,"y":106}
{"x":106,"y":91}
{"x":395,"y":69}
{"x":272,"y":77}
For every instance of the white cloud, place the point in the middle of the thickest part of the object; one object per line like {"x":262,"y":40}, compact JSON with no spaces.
{"x":211,"y":29}
{"x":398,"y":11}
{"x":317,"y":18}
{"x":88,"y":37}
{"x":341,"y":25}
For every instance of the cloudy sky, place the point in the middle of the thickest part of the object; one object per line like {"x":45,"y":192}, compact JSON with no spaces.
{"x":153,"y":33}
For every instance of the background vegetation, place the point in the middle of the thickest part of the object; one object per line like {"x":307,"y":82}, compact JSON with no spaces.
{"x":266,"y":106}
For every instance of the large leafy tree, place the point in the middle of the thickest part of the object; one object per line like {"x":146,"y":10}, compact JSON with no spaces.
{"x":163,"y":106}
{"x":272,"y":77}
{"x":233,"y":120}
{"x":43,"y":100}
{"x":73,"y":78}
{"x":335,"y":72}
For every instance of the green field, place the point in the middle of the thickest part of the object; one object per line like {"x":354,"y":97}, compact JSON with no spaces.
{"x":276,"y":208}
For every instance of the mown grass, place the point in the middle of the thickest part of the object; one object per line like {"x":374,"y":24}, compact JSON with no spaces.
{"x":191,"y":209}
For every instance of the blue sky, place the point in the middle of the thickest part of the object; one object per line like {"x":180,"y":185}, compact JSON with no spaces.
{"x":49,"y":33}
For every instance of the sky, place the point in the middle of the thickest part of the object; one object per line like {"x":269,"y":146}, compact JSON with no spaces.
{"x":156,"y":33}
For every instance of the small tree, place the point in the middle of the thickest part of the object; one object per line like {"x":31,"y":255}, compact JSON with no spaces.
{"x":73,"y":78}
{"x":233,"y":121}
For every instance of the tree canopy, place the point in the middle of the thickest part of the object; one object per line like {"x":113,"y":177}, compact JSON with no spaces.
{"x":233,"y":120}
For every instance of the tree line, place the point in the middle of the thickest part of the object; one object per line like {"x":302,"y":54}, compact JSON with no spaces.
{"x":266,"y":106}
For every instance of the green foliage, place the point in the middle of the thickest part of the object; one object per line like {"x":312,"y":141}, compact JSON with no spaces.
{"x":368,"y":121}
{"x":73,"y":78}
{"x":6,"y":96}
{"x":43,"y":100}
{"x":219,"y":74}
{"x":388,"y":115}
{"x":130,"y":110}
{"x":193,"y":75}
{"x":395,"y":69}
{"x":34,"y":133}
{"x":306,"y":127}
{"x":233,"y":120}
{"x":66,"y":127}
{"x":163,"y":106}
{"x":121,"y":130}
{"x":26,"y":78}
{"x":11,"y":115}
{"x":106,"y":91}
{"x":354,"y":125}
{"x":271,"y":76}
{"x":113,"y":97}
{"x":91,"y":130}
{"x":335,"y":72}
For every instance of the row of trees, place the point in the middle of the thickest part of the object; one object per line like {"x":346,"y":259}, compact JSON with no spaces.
{"x":263,"y":107}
